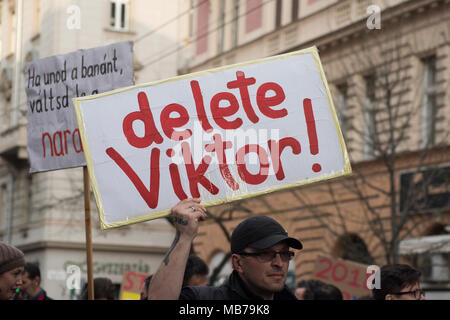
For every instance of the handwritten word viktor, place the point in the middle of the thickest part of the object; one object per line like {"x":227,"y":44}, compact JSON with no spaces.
{"x":196,"y":175}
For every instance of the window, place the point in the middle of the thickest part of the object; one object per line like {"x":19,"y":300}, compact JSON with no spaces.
{"x":429,"y":101}
{"x":350,"y":246}
{"x":202,"y":26}
{"x":253,"y":19}
{"x":430,"y":253}
{"x":278,"y":13}
{"x":369,"y":117}
{"x":119,"y":15}
{"x":235,"y":26}
{"x":294,"y":15}
{"x":342,"y":101}
{"x":425,"y":190}
{"x":221,"y":30}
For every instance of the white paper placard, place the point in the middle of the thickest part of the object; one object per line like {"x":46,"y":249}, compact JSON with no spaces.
{"x":54,"y":140}
{"x":245,"y":130}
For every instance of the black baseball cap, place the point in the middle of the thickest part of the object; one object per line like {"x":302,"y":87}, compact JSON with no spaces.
{"x":260,"y":232}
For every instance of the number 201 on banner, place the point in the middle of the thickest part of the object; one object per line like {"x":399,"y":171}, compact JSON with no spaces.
{"x":350,"y":278}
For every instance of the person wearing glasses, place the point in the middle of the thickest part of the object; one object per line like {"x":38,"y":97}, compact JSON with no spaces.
{"x":260,"y":258}
{"x":399,"y":282}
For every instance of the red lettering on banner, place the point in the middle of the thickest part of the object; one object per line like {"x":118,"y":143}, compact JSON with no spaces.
{"x":276,"y":148}
{"x":141,"y":282}
{"x":200,"y":106}
{"x":334,"y":272}
{"x":242,"y":84}
{"x":65,"y":139}
{"x":130,"y":278}
{"x":219,"y":113}
{"x":46,"y":134}
{"x":344,"y":275}
{"x":175,"y":176}
{"x":245,"y":175}
{"x":355,"y":283}
{"x":61,"y":149}
{"x":79,"y":140}
{"x":145,"y":115}
{"x":151,"y":195}
{"x":219,"y":147}
{"x":129,"y":284}
{"x":312,"y":133}
{"x":168,"y":124}
{"x":196,"y":176}
{"x":59,"y":143}
{"x":322,"y":273}
{"x":264,"y":102}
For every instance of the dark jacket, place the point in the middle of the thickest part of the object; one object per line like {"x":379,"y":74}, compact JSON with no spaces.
{"x":42,"y":295}
{"x":234,"y":289}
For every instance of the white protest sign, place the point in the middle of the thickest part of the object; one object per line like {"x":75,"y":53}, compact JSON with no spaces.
{"x":51,"y":83}
{"x":221,"y":135}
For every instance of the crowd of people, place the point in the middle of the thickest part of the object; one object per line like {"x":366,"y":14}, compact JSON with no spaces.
{"x":261,"y":251}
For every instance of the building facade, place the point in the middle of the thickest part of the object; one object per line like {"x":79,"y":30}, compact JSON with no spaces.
{"x":387,"y":66}
{"x":43,"y":213}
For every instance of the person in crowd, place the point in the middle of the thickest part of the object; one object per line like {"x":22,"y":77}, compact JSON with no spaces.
{"x":31,"y":285}
{"x":103,"y":290}
{"x":260,"y":259}
{"x":196,"y":273}
{"x":317,"y":290}
{"x":12,"y":261}
{"x":399,"y":282}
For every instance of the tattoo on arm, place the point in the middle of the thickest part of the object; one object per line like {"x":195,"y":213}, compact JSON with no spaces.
{"x":174,"y":243}
{"x":179,"y":221}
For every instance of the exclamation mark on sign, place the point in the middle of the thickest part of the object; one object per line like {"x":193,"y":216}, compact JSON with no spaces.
{"x":312,"y":134}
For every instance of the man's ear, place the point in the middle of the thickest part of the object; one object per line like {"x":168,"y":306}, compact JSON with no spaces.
{"x":236,"y":262}
{"x":37,"y":281}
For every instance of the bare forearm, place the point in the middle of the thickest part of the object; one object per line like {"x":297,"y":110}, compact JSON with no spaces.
{"x":167,"y":281}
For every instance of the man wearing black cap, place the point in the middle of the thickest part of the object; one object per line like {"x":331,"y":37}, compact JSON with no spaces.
{"x":260,"y":260}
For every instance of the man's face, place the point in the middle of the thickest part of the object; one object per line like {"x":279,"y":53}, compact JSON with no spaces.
{"x":264,"y":277}
{"x":299,"y":293}
{"x":9,"y":282}
{"x":413,"y":292}
{"x":29,"y":285}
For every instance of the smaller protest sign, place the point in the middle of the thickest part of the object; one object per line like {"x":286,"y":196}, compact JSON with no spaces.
{"x":54,"y":140}
{"x":132,"y":283}
{"x":349,"y":276}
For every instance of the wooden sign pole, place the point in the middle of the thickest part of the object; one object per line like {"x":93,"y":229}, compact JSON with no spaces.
{"x":88,"y":227}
